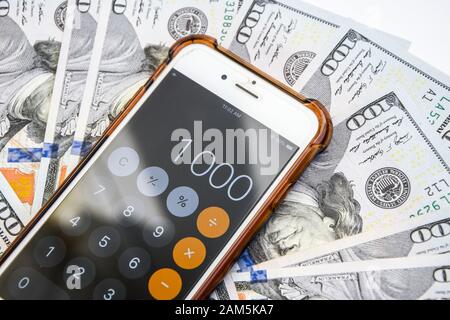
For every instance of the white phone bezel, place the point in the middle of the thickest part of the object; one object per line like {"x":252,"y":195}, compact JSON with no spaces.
{"x":289,"y":119}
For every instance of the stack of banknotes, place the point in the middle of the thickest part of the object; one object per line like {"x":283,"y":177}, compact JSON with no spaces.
{"x":370,"y":217}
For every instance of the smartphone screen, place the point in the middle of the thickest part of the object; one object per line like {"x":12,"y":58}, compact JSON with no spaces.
{"x":157,"y":206}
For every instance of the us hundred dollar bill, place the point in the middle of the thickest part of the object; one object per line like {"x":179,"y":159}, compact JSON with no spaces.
{"x":30,"y":39}
{"x":283,"y":37}
{"x":378,"y":173}
{"x":423,"y":236}
{"x":358,"y":65}
{"x":136,"y":38}
{"x":13,"y":214}
{"x":412,"y":278}
{"x":70,"y":80}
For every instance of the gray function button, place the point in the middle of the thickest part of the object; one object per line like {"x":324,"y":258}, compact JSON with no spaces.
{"x":182,"y":201}
{"x":129,"y":211}
{"x":104,"y":242}
{"x":73,"y":222}
{"x":158,"y":231}
{"x":123,"y":162}
{"x":152,"y":181}
{"x":110,"y":289}
{"x":28,"y":284}
{"x":79,"y":273}
{"x":134,"y":263}
{"x":49,"y":252}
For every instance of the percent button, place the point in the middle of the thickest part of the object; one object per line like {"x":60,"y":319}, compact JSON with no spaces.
{"x":182,"y":201}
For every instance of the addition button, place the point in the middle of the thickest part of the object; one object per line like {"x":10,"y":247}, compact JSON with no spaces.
{"x":165,"y":284}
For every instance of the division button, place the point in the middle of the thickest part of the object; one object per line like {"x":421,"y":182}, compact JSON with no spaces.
{"x":189,"y":253}
{"x":110,"y":289}
{"x":213,"y":222}
{"x":152,"y":181}
{"x":49,"y":252}
{"x":165,"y":284}
{"x":182,"y":201}
{"x":123,"y":162}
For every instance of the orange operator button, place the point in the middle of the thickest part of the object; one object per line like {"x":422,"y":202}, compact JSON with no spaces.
{"x":213,"y":222}
{"x":189,"y":253}
{"x":165,"y":284}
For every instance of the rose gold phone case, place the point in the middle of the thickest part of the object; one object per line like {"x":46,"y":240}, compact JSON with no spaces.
{"x":318,"y":143}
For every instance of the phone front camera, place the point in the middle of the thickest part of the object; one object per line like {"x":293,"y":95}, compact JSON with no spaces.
{"x":224,"y":77}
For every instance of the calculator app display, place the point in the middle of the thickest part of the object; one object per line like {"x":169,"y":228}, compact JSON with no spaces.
{"x":144,"y":223}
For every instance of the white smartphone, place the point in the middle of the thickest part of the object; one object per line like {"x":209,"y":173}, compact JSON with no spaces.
{"x":175,"y":189}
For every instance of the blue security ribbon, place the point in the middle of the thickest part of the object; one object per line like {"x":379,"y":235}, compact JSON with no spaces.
{"x":50,"y":150}
{"x":18,"y":155}
{"x":245,"y":261}
{"x":81,"y":148}
{"x":258,"y":276}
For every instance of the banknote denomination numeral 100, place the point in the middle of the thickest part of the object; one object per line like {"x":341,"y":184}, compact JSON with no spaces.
{"x":83,"y":5}
{"x":4,"y":8}
{"x":372,"y":112}
{"x":250,"y":21}
{"x":119,"y":6}
{"x":339,"y":54}
{"x":442,"y":275}
{"x":439,"y":230}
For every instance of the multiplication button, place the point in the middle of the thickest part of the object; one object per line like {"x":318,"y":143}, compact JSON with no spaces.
{"x":152,"y":181}
{"x":182,"y":201}
{"x":123,"y":162}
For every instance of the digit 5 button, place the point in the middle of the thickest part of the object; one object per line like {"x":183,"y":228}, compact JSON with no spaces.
{"x":165,"y":284}
{"x":189,"y":253}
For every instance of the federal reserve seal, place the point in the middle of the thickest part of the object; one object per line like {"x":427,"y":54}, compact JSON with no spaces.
{"x":60,"y":15}
{"x":296,"y":65}
{"x":186,"y":21}
{"x":388,"y":188}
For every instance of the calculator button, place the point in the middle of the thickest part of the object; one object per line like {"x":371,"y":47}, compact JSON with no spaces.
{"x":213,"y":222}
{"x":110,"y":289}
{"x":104,"y":242}
{"x":152,"y":181}
{"x":182,"y":201}
{"x":28,"y":284}
{"x":189,"y":253}
{"x":123,"y":162}
{"x":79,"y":273}
{"x":49,"y":252}
{"x":134,"y":263}
{"x":158,"y":231}
{"x":165,"y":284}
{"x":129,"y":211}
{"x":74,"y":222}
